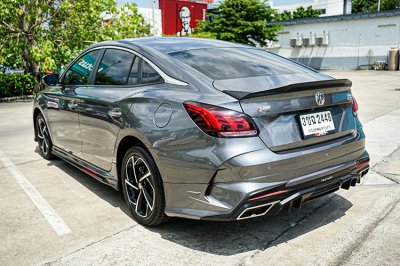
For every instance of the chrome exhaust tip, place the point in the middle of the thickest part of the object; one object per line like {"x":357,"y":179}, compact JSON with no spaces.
{"x":256,"y":211}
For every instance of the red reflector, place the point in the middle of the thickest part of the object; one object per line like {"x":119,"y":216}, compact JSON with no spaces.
{"x":355,"y":105}
{"x":220,"y":122}
{"x":362,"y":164}
{"x":90,"y":172}
{"x":269,"y":194}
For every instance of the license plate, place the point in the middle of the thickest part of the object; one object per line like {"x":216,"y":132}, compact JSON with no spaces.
{"x":317,"y":124}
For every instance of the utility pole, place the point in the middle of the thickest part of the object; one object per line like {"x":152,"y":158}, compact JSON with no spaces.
{"x":379,"y":5}
{"x":154,"y":23}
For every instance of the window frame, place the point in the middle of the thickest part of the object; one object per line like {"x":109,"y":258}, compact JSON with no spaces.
{"x":62,"y":77}
{"x":96,"y":66}
{"x":141,"y":74}
{"x":100,"y":57}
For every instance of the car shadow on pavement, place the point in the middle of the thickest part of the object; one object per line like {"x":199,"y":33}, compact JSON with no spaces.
{"x":230,"y":238}
{"x":227,"y":238}
{"x":105,"y":192}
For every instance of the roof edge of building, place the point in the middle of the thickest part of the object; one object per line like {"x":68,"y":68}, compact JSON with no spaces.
{"x":355,"y":16}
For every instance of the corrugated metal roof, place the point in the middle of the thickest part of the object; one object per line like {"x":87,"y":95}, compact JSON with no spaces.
{"x":387,"y":13}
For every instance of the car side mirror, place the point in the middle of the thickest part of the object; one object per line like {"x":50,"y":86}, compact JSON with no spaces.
{"x":51,"y":79}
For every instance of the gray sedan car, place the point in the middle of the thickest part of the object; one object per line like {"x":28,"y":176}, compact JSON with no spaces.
{"x":201,"y":129}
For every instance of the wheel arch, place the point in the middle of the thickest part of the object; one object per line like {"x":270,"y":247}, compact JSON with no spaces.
{"x":126,"y":143}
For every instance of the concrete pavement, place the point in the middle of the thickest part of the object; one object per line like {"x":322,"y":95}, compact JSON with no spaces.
{"x":355,"y":227}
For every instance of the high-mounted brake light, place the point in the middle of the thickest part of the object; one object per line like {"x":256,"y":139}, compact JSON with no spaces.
{"x":355,"y":105}
{"x":220,"y":122}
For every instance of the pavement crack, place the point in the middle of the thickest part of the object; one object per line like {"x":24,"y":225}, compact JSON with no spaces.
{"x":269,"y":244}
{"x":385,"y":175}
{"x":346,"y":256}
{"x":393,"y":152}
{"x":90,"y":244}
{"x":248,"y":259}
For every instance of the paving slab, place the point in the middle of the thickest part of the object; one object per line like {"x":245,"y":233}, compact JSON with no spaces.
{"x":381,"y":246}
{"x":390,"y":167}
{"x":329,"y":232}
{"x":332,"y":243}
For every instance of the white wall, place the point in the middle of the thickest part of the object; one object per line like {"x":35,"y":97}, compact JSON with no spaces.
{"x":147,"y":14}
{"x":333,"y":7}
{"x":352,"y":44}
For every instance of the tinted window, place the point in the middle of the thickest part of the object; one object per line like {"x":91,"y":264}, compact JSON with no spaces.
{"x":114,"y":67}
{"x":149,"y":75}
{"x":79,"y":73}
{"x":133,"y":76}
{"x":227,"y":63}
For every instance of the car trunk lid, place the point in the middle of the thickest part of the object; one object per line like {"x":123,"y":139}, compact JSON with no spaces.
{"x":292,"y":115}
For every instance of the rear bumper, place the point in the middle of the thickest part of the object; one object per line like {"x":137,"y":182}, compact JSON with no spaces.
{"x":255,"y":205}
{"x":241,"y":200}
{"x":303,"y":174}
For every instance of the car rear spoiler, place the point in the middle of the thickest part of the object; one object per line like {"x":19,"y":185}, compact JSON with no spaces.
{"x":333,"y":83}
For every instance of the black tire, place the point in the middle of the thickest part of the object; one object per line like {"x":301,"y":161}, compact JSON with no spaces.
{"x":145,"y":198}
{"x":43,"y":138}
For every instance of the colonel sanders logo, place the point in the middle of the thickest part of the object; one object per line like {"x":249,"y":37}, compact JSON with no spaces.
{"x":184,"y":16}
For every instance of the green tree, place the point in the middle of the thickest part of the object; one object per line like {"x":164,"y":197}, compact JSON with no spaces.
{"x":308,"y":12}
{"x":49,"y":33}
{"x":363,"y":6}
{"x":242,"y":20}
{"x":300,"y":12}
{"x":285,"y":15}
{"x":390,"y":4}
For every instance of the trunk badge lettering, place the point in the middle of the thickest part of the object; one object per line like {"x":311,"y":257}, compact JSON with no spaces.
{"x":320,"y":98}
{"x":326,"y":178}
{"x":263,"y":109}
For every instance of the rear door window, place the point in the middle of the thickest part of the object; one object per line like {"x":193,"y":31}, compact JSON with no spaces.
{"x":149,"y":74}
{"x":80,"y":72}
{"x":134,"y":74}
{"x":114,"y":68}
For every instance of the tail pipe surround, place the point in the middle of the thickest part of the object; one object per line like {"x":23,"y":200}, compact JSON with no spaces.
{"x":297,"y":199}
{"x":256,"y":211}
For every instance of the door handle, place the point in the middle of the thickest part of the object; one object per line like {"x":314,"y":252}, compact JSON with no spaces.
{"x":115,"y":113}
{"x":72,"y":105}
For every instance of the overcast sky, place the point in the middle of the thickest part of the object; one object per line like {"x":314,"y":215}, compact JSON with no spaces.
{"x":147,"y":3}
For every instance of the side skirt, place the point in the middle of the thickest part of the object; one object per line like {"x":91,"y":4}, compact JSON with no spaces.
{"x":90,"y":169}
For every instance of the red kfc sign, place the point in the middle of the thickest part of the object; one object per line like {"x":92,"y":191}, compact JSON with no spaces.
{"x":180,"y":17}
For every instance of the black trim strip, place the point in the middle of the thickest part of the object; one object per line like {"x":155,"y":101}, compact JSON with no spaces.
{"x":333,"y":83}
{"x":100,"y":175}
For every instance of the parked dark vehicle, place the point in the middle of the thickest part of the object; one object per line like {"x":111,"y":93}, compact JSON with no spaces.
{"x":201,"y":129}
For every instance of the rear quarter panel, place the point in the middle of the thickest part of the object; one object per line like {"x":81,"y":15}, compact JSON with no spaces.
{"x":183,"y":153}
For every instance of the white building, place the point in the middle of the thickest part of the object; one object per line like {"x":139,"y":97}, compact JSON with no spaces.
{"x":147,"y":14}
{"x":356,"y":41}
{"x":327,"y":7}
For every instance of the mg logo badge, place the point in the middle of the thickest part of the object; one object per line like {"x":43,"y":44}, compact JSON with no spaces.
{"x":320,"y":98}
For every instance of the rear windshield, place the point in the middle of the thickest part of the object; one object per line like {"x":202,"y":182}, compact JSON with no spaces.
{"x":229,"y":63}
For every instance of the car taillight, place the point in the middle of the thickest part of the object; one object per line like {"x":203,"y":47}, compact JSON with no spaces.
{"x":220,"y":122}
{"x":355,"y":105}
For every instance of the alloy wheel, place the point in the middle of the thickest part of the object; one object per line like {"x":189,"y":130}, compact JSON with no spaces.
{"x":139,"y":186}
{"x":43,"y":136}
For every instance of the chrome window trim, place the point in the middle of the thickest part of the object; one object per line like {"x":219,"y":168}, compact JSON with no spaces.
{"x":165,"y":77}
